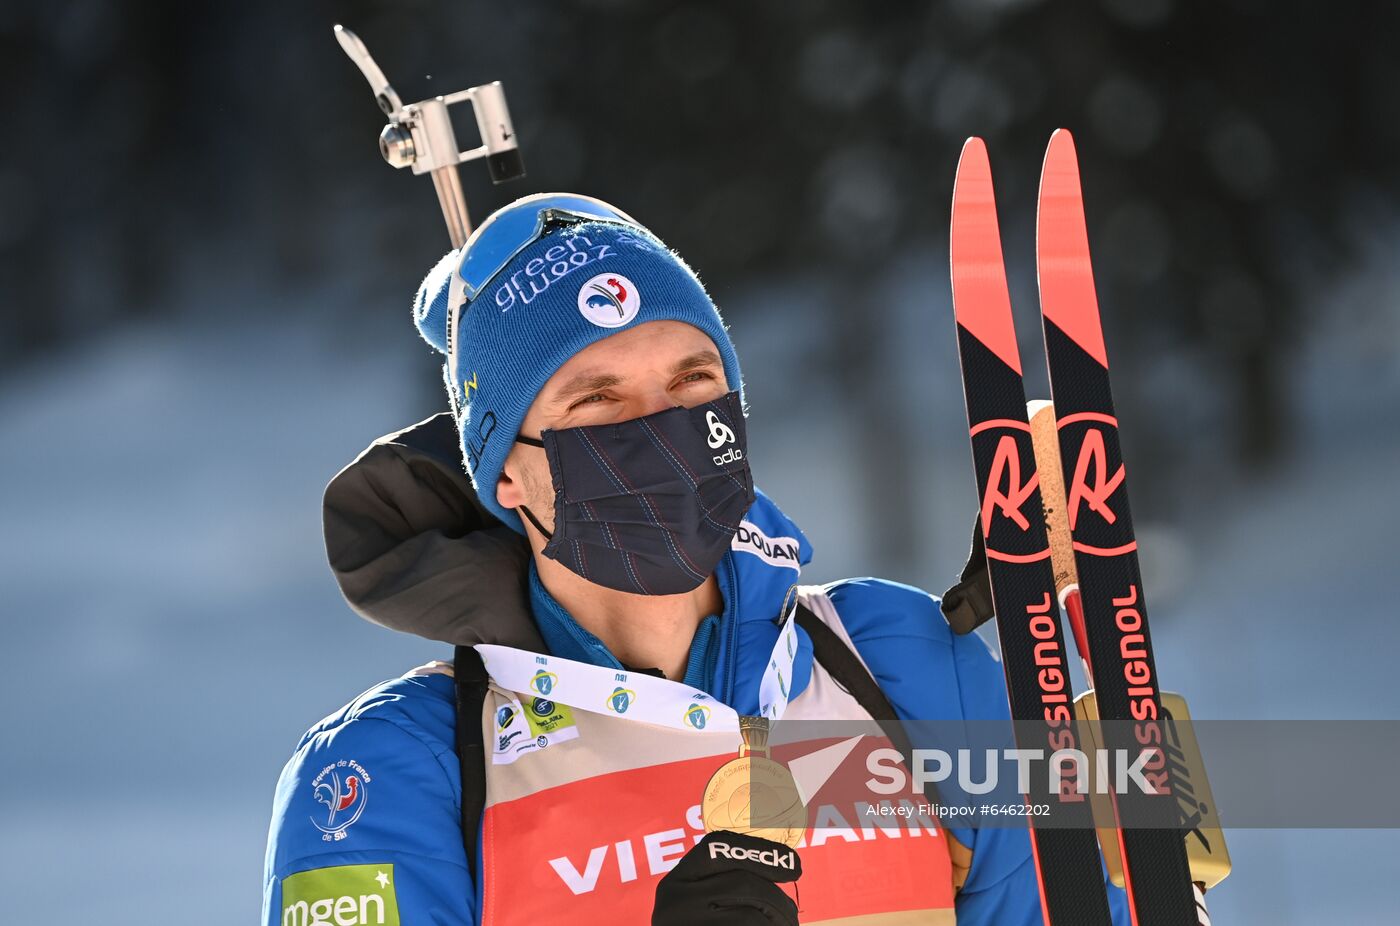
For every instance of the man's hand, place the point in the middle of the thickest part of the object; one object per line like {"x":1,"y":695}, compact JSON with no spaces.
{"x":729,"y":878}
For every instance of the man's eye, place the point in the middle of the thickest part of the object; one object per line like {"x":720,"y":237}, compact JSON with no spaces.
{"x":697,"y":376}
{"x":593,"y":399}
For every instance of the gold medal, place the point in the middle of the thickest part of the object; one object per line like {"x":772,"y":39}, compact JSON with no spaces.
{"x":754,"y":794}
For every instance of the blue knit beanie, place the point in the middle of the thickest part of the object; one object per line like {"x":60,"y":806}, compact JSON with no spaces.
{"x":575,"y":285}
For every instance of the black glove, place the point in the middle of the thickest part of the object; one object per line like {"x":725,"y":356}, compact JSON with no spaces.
{"x":968,"y":604}
{"x":729,"y":878}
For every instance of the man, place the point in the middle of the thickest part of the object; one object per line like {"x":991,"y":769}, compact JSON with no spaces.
{"x":632,"y":596}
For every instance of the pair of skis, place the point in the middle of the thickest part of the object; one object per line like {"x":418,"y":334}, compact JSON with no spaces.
{"x":1155,"y":869}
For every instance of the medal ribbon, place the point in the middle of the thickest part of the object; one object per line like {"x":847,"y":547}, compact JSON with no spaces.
{"x":636,"y":695}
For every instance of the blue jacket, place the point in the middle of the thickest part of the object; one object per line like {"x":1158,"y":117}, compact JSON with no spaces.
{"x":366,"y":818}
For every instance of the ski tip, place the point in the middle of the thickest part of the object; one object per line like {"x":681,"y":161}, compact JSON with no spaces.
{"x":973,"y":166}
{"x":1059,"y":174}
{"x":974,"y":144}
{"x":1061,"y":144}
{"x":1067,"y":295}
{"x":972,"y":187}
{"x":981,"y":303}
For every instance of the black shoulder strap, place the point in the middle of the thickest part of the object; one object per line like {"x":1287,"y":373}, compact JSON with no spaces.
{"x":846,"y":669}
{"x":471,"y":678}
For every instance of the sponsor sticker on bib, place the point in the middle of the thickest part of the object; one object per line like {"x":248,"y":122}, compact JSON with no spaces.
{"x":545,"y":716}
{"x":530,"y":726}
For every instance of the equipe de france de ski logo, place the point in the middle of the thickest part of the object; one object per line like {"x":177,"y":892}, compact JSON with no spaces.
{"x":609,"y":300}
{"x":343,"y":787}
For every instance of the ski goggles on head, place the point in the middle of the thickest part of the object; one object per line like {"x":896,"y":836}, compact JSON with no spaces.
{"x":496,"y":242}
{"x":509,"y":231}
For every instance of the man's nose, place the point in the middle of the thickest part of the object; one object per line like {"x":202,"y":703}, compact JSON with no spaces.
{"x":654,"y":400}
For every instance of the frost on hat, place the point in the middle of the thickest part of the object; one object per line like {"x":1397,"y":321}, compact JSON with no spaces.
{"x":430,"y":304}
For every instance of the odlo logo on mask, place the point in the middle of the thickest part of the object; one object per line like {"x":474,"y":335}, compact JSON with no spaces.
{"x":721,"y":434}
{"x":729,"y":456}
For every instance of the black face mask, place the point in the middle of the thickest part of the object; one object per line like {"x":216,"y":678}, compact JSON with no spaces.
{"x":649,"y":505}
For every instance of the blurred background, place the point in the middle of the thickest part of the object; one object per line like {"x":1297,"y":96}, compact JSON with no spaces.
{"x":207,"y":269}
